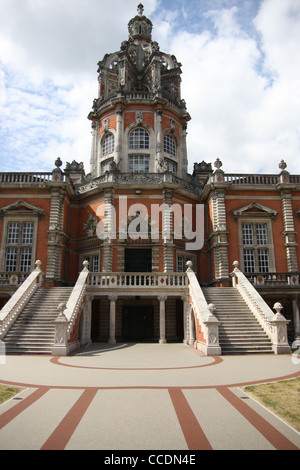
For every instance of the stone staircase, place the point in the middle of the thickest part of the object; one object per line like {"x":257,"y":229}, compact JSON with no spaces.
{"x":34,"y":331}
{"x":239,"y":332}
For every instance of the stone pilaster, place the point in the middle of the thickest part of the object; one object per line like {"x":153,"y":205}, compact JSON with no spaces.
{"x":55,"y":234}
{"x":159,"y":142}
{"x":109,"y":227}
{"x":167,"y":231}
{"x":289,"y":231}
{"x":119,"y":138}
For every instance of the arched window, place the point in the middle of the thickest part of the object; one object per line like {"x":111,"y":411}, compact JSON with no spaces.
{"x":139,"y":139}
{"x":169,"y":145}
{"x":108,"y":145}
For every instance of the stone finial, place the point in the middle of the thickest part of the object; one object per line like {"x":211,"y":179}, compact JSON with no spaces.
{"x":189,"y":265}
{"x":218,"y":164}
{"x":236,"y":264}
{"x":282,"y":165}
{"x":38,"y":264}
{"x":140,"y":9}
{"x":58,"y":162}
{"x":85,"y":265}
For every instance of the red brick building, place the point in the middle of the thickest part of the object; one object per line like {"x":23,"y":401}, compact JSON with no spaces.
{"x":138,"y":217}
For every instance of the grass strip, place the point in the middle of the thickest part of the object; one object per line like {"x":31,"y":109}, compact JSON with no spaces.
{"x":8,"y":392}
{"x":282,"y":398}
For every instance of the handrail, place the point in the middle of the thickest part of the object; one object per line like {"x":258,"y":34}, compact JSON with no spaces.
{"x":69,"y":313}
{"x":208,"y":323}
{"x":17,"y":302}
{"x":275,"y":326}
{"x":76,"y":298}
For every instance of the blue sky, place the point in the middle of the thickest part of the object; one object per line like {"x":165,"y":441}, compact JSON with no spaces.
{"x":240,"y":62}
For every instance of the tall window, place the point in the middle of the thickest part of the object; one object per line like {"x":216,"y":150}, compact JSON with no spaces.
{"x":139,"y":139}
{"x":170,"y":145}
{"x":255,"y":247}
{"x":139,"y":164}
{"x":108,"y":145}
{"x":18,"y":256}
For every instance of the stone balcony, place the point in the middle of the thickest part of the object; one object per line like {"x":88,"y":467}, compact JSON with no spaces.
{"x":138,"y":283}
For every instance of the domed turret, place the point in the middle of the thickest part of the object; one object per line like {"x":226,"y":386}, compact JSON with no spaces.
{"x":140,"y":27}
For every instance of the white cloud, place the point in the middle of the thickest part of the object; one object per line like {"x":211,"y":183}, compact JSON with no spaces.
{"x":241,"y":84}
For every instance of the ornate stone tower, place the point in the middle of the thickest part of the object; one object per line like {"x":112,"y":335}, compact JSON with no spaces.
{"x":139,"y":120}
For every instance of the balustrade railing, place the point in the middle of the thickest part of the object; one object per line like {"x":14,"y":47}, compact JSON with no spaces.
{"x":137,"y":280}
{"x":25,"y":178}
{"x":273,"y":279}
{"x":17,"y":302}
{"x":12,"y":278}
{"x":275,"y":325}
{"x":251,"y":179}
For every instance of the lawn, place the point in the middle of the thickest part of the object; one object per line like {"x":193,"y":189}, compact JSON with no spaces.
{"x":7,"y":392}
{"x":283,"y":398}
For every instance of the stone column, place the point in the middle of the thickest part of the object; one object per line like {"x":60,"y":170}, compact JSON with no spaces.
{"x":110,"y":228}
{"x":159,"y":143}
{"x":94,"y":151}
{"x":55,"y":234}
{"x":289,"y":231}
{"x":184,"y":159}
{"x":167,"y":230}
{"x":112,"y":319}
{"x":119,"y":139}
{"x":162,"y":319}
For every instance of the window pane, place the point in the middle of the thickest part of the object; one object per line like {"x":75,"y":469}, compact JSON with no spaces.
{"x":139,"y":164}
{"x":180,"y":264}
{"x":139,"y":139}
{"x":25,"y":262}
{"x":27,"y":235}
{"x":106,"y":166}
{"x":108,"y":145}
{"x":11,"y":259}
{"x":172,"y":167}
{"x":13,"y":233}
{"x":249,"y":261}
{"x":263,"y":261}
{"x":247,"y":230}
{"x":261,"y":234}
{"x":170,"y":145}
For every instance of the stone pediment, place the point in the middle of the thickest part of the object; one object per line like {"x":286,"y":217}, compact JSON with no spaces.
{"x":254,"y":209}
{"x":21,"y":207}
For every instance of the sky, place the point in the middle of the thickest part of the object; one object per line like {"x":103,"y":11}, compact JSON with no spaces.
{"x":240,"y":77}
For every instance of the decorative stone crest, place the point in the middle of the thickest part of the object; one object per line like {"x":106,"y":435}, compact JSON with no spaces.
{"x":90,"y":225}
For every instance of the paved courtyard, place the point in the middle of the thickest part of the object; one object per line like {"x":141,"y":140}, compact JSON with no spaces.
{"x":142,"y":397}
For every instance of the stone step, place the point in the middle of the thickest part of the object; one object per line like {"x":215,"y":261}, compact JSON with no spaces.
{"x":34,"y":330}
{"x":239,"y":331}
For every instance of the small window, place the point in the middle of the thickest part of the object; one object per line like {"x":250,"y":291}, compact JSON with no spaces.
{"x":170,"y":145}
{"x":106,"y":166}
{"x":139,"y":139}
{"x":171,"y":166}
{"x":139,"y":164}
{"x":108,"y":145}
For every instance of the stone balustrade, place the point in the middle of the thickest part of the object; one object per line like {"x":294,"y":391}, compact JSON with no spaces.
{"x":275,"y":325}
{"x":21,"y":297}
